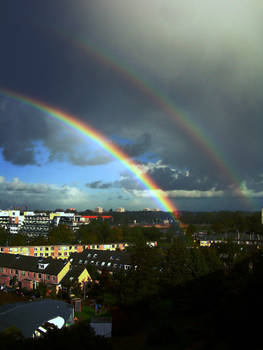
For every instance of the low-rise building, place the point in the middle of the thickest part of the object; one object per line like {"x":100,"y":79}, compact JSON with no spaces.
{"x":77,"y":274}
{"x":59,"y":251}
{"x":30,"y":271}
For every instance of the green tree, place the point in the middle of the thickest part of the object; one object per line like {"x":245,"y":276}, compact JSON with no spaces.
{"x":115,"y":235}
{"x":4,"y":235}
{"x":177,"y":265}
{"x":228,"y":254}
{"x":60,"y":234}
{"x":191,"y":230}
{"x":17,"y":239}
{"x":87,"y":234}
{"x":141,"y":282}
{"x":41,"y":289}
{"x":40,"y":240}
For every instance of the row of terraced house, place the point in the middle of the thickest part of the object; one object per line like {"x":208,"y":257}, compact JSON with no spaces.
{"x":61,"y":251}
{"x":29,"y":271}
{"x":50,"y":265}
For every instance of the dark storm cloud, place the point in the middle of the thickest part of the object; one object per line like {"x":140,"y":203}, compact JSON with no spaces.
{"x":126,"y":182}
{"x":19,"y":130}
{"x":22,"y":128}
{"x":169,"y":179}
{"x":140,"y":147}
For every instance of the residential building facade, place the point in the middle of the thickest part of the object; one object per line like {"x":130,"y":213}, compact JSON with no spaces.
{"x":30,"y":271}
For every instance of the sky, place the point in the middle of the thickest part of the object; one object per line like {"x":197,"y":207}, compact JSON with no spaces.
{"x":176,"y":85}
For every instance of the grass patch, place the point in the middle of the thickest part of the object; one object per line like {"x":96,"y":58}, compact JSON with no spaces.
{"x":88,"y":312}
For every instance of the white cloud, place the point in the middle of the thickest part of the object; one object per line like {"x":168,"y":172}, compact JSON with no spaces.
{"x":179,"y":193}
{"x":39,"y":194}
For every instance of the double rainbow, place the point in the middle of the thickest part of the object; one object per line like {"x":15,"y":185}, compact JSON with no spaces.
{"x":175,"y":114}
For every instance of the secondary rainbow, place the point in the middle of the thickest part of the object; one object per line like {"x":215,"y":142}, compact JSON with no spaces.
{"x":78,"y":125}
{"x":186,"y":124}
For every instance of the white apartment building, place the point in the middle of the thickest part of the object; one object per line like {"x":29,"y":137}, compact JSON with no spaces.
{"x":98,"y":210}
{"x":120,"y":210}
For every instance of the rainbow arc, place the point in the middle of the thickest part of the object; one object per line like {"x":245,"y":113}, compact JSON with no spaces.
{"x":86,"y":130}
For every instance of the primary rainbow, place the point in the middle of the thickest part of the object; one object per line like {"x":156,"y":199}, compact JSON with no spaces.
{"x":102,"y":141}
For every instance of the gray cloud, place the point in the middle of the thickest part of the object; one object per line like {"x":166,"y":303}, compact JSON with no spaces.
{"x":99,"y":185}
{"x":205,"y":58}
{"x":139,"y":147}
{"x":38,"y":195}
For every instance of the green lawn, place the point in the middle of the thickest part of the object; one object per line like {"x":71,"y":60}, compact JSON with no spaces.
{"x":88,"y":312}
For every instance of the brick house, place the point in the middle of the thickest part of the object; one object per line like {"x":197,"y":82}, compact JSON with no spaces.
{"x":30,"y":271}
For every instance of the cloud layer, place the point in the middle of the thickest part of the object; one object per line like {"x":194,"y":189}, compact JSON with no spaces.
{"x":118,"y":66}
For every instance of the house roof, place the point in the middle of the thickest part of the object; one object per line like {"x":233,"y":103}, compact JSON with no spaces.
{"x":73,"y":274}
{"x":101,"y":259}
{"x":31,"y":263}
{"x":35,"y":313}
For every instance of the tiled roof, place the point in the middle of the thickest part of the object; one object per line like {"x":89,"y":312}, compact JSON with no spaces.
{"x":102,"y":259}
{"x":73,"y":274}
{"x":31,"y":263}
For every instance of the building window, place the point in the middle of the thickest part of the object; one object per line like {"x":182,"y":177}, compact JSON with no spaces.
{"x":1,"y":269}
{"x":52,"y":254}
{"x":35,"y":254}
{"x":54,"y":278}
{"x":39,"y":275}
{"x":16,"y":272}
{"x":52,"y":248}
{"x":46,"y":254}
{"x":48,"y":277}
{"x":46,"y":248}
{"x":23,"y":273}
